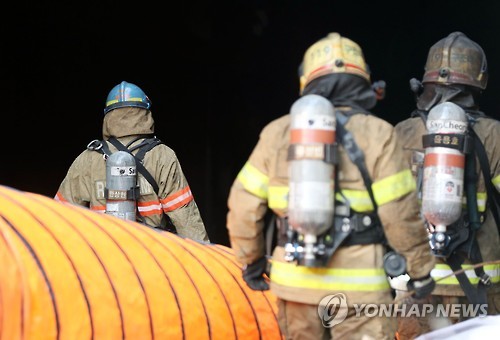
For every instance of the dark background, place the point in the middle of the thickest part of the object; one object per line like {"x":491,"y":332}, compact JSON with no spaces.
{"x":216,"y":73}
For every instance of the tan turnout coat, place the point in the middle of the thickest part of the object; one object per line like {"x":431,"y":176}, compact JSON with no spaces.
{"x":410,"y":133}
{"x":266,"y":172}
{"x":86,"y":178}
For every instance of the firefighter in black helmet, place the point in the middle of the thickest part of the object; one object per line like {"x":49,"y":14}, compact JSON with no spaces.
{"x":456,"y":72}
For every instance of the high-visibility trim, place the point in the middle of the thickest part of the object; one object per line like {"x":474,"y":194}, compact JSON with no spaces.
{"x":481,"y":201}
{"x":442,"y":270}
{"x":278,"y":197}
{"x":149,"y":208}
{"x":177,"y":199}
{"x":496,"y":182}
{"x":59,"y":197}
{"x":131,"y":99}
{"x":394,"y":187}
{"x":359,"y":279}
{"x":359,"y":200}
{"x":254,"y":181}
{"x":328,"y":68}
{"x":386,"y":190}
{"x":98,"y":208}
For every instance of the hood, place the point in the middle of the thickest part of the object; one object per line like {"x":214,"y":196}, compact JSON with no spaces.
{"x":434,"y":94}
{"x":127,"y":121}
{"x":344,"y":89}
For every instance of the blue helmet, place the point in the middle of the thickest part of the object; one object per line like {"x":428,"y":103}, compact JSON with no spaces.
{"x":126,"y":94}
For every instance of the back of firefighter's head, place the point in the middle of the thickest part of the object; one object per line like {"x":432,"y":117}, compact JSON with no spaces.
{"x":333,"y":54}
{"x":456,"y":59}
{"x":125,"y":95}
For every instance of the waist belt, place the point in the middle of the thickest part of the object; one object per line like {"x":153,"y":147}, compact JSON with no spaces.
{"x":360,"y":229}
{"x":347,"y":231}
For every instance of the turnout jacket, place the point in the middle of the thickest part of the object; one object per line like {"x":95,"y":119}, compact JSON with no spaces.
{"x":86,"y":178}
{"x":354,"y":270}
{"x":410,"y":132}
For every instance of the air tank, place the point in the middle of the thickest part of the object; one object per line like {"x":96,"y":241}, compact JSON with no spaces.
{"x":121,"y":186}
{"x":311,"y":196}
{"x":443,"y":179}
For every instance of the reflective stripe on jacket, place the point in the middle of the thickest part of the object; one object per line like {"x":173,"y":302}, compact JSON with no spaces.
{"x":356,"y":270}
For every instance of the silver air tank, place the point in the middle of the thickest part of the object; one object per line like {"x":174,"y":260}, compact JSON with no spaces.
{"x":121,"y":186}
{"x":311,"y":196}
{"x":443,"y":178}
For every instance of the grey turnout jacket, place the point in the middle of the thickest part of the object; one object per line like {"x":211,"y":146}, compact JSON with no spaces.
{"x":86,"y":178}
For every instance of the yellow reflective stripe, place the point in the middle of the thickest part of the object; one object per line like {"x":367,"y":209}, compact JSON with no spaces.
{"x":131,"y":99}
{"x":386,"y":190}
{"x":496,"y":182}
{"x":253,"y":180}
{"x":442,"y":270}
{"x":393,"y":187}
{"x":481,"y":201}
{"x":359,"y":200}
{"x":361,"y":280}
{"x":278,"y":197}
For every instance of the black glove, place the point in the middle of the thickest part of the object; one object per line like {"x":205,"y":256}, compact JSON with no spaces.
{"x":422,"y":287}
{"x":253,"y":274}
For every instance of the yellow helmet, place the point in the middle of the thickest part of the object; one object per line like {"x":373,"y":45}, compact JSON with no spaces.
{"x":456,"y":60}
{"x":333,"y":54}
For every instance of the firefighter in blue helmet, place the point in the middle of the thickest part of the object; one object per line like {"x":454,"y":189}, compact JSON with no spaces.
{"x":164,"y":198}
{"x":126,"y":94}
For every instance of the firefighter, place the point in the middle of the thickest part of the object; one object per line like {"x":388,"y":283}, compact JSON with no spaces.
{"x":456,"y":74}
{"x":164,"y":198}
{"x":333,"y":68}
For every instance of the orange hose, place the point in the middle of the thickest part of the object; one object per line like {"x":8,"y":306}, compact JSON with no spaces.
{"x":70,"y":273}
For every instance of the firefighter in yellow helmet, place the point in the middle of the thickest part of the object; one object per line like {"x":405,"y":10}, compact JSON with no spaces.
{"x":164,"y":199}
{"x":456,"y":74}
{"x":333,"y":69}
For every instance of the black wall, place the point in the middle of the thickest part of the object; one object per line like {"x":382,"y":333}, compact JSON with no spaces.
{"x":216,"y":73}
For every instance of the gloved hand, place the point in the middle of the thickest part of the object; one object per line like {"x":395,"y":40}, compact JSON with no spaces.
{"x":422,"y":287}
{"x":253,"y":274}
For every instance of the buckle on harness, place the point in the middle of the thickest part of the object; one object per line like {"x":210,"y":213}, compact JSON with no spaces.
{"x":485,"y":279}
{"x":94,"y":145}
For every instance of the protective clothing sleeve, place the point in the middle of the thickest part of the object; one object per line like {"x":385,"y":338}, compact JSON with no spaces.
{"x":74,"y":188}
{"x":245,"y":218}
{"x":491,"y":136}
{"x":404,"y":229}
{"x":177,"y":199}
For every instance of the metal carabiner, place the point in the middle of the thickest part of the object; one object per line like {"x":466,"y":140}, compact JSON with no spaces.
{"x":95,"y":145}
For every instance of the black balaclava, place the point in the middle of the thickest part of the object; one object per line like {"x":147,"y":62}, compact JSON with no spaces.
{"x":429,"y":95}
{"x":344,"y":89}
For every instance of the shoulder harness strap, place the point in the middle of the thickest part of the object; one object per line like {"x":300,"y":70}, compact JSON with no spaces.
{"x":139,"y":164}
{"x":354,"y":152}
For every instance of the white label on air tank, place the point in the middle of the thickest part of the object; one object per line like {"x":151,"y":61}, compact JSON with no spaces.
{"x":112,"y":207}
{"x":443,"y":189}
{"x":122,"y":171}
{"x":446,"y":126}
{"x":316,"y":122}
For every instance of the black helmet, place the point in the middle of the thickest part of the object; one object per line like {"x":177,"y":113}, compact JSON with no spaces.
{"x":456,"y":60}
